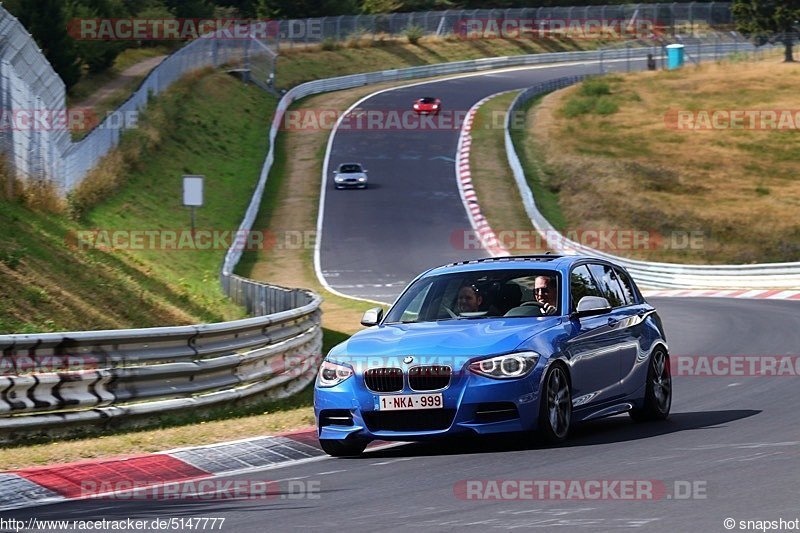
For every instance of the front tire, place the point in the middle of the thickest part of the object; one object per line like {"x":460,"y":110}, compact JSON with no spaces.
{"x":343,"y":448}
{"x":555,"y":406}
{"x":658,"y":389}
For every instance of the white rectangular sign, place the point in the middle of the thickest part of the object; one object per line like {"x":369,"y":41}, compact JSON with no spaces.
{"x":193,"y":190}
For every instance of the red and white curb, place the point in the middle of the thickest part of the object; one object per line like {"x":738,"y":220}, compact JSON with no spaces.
{"x":479,"y":223}
{"x":34,"y":486}
{"x":102,"y":477}
{"x":767,"y":294}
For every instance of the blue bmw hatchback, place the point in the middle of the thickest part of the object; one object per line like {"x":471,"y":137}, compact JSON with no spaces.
{"x":521,"y":343}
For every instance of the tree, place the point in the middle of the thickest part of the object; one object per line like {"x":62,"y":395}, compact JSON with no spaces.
{"x":46,"y":20}
{"x":97,"y":55}
{"x":769,"y":21}
{"x":244,"y":8}
{"x":295,"y":9}
{"x":193,"y":9}
{"x":381,"y":6}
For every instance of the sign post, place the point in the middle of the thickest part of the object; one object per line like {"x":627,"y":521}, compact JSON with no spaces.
{"x":193,"y":193}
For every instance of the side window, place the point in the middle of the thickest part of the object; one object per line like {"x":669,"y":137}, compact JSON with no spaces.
{"x":582,"y":284}
{"x":627,"y":285}
{"x":607,"y":279}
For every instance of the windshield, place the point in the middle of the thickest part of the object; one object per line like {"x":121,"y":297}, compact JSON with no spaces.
{"x":349,"y":169}
{"x":427,"y":100}
{"x":479,"y":294}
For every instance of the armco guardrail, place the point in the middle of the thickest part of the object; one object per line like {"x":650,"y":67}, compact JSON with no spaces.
{"x":102,"y":375}
{"x":652,"y":274}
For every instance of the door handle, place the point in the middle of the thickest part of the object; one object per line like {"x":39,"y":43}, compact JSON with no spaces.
{"x":613,"y":321}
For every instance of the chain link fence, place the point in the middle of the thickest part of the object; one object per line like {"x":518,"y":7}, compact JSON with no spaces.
{"x":35,"y":134}
{"x":673,"y":18}
{"x":210,"y":52}
{"x":29,"y":87}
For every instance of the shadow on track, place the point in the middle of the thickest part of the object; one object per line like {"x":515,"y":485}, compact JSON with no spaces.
{"x":164,"y":508}
{"x":605,"y":431}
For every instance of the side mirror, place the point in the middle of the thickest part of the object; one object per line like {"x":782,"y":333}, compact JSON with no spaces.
{"x":364,"y":170}
{"x":592,"y":306}
{"x":372,"y":316}
{"x":335,"y":171}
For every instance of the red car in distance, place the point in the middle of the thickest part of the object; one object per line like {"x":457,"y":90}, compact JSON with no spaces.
{"x":427,"y":105}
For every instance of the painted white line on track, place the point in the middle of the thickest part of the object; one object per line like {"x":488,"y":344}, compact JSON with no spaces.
{"x":399,"y":460}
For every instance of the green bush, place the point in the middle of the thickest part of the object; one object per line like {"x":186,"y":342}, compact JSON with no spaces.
{"x":577,"y":106}
{"x":594,"y":96}
{"x":329,"y":44}
{"x":593,"y":87}
{"x":414,"y":34}
{"x":605,"y":106}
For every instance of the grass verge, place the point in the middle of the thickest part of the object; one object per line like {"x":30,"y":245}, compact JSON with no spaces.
{"x":364,"y":55}
{"x":206,"y":124}
{"x":493,"y":180}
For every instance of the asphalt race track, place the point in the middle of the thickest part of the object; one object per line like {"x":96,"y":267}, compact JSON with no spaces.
{"x":375,"y":241}
{"x":736,"y":438}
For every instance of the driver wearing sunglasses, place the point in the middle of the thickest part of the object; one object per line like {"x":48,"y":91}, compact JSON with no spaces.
{"x":545,"y":293}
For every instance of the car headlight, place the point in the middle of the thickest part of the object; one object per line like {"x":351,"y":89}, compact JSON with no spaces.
{"x":332,"y":374}
{"x":416,"y":106}
{"x":362,"y":179}
{"x":435,"y":106}
{"x":510,"y":366}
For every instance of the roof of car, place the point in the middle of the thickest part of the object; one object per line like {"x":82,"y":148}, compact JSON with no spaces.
{"x":539,"y":261}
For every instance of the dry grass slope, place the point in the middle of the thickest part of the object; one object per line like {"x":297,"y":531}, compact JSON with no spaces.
{"x":631,"y":169}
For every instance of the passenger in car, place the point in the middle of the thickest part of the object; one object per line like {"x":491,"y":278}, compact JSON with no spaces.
{"x":469,"y":299}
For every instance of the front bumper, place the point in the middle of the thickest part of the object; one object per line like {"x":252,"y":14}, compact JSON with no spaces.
{"x":471,"y":404}
{"x":350,"y":184}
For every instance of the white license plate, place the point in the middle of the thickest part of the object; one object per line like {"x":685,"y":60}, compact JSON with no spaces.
{"x":410,"y":401}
